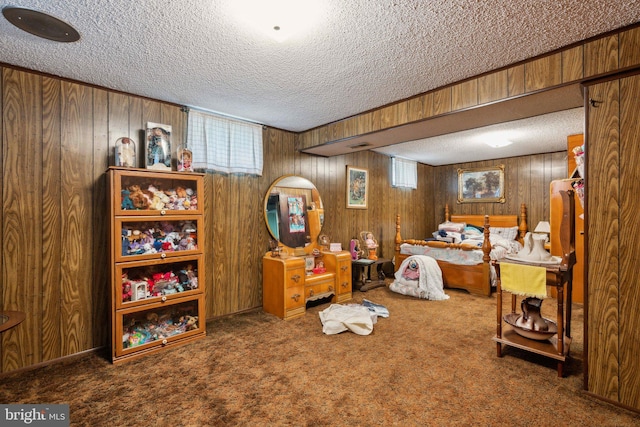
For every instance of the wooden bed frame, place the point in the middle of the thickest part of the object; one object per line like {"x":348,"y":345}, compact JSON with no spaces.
{"x":475,"y":279}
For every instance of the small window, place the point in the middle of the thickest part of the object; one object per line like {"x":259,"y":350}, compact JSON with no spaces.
{"x":404,"y":173}
{"x":223,"y":144}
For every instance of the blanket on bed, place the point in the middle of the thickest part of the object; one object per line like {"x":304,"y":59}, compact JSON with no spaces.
{"x":419,"y":276}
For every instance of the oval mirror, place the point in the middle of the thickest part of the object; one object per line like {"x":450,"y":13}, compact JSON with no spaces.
{"x":293,"y":211}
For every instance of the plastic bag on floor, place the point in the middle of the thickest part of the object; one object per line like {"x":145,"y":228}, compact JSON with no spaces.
{"x":378,"y":309}
{"x":339,"y":318}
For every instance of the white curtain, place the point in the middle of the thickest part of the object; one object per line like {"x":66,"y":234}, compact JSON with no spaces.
{"x":223,"y":144}
{"x":404,"y":173}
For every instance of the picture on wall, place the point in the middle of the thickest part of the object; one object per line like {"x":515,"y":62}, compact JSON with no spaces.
{"x":357,"y":187}
{"x":158,"y":146}
{"x":481,"y":185}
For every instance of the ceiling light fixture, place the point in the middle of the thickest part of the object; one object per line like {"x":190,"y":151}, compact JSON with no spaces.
{"x":279,"y":19}
{"x":498,"y":143}
{"x":40,"y":24}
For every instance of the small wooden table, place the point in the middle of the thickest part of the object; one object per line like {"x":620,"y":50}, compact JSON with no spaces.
{"x":362,"y":268}
{"x":558,"y":276}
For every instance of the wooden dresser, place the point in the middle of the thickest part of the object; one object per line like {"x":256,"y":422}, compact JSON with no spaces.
{"x":287,"y":288}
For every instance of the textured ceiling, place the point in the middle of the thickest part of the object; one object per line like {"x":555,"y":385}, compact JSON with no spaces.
{"x":358,"y":55}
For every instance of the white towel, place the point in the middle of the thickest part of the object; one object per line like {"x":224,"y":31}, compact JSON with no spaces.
{"x":339,"y":318}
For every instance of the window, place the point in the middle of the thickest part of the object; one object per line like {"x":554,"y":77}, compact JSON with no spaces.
{"x":404,"y":173}
{"x":223,"y":144}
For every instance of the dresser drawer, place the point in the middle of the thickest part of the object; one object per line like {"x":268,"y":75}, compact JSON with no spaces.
{"x":294,"y":277}
{"x":294,"y":297}
{"x":319,"y":290}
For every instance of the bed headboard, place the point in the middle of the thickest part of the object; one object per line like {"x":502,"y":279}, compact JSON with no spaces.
{"x":494,"y":220}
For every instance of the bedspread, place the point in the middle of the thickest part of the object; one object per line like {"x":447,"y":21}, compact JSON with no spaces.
{"x":453,"y":256}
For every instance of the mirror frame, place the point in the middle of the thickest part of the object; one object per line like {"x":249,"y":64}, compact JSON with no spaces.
{"x":318,"y":208}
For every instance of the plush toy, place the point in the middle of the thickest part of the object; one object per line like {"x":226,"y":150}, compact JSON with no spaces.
{"x":190,"y":322}
{"x":126,"y":204}
{"x":181,"y":192}
{"x":126,"y":288}
{"x":138,"y":198}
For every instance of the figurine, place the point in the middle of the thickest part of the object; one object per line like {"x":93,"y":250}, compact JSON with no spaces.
{"x":184,"y":160}
{"x":372,"y":245}
{"x":354,"y":249}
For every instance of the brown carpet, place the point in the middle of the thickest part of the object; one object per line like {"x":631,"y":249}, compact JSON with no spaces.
{"x":429,"y":363}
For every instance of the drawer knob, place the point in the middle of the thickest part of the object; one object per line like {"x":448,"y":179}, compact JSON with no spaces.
{"x":163,"y":255}
{"x":345,"y":284}
{"x":163,"y":212}
{"x":330,"y":288}
{"x":164,"y":298}
{"x":344,"y":268}
{"x":164,"y":341}
{"x":295,"y":278}
{"x":311,"y":293}
{"x":295,"y":297}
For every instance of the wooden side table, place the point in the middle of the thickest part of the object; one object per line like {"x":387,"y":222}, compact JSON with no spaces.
{"x":363,"y":269}
{"x":557,"y":347}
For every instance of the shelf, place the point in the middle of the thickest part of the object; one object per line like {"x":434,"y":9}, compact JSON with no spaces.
{"x":157,"y":269}
{"x":548,"y":348}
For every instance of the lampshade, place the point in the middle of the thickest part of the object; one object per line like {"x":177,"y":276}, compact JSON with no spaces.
{"x":543,"y":227}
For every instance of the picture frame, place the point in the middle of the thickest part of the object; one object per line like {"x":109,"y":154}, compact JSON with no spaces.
{"x":357,"y":187}
{"x":158,"y":146}
{"x":481,"y":185}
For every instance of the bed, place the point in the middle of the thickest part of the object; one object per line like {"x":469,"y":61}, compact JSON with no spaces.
{"x":465,"y":264}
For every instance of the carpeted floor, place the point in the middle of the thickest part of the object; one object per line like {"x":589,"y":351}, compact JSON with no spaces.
{"x":429,"y":363}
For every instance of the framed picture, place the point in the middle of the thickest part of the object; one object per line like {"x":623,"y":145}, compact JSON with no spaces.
{"x":481,"y":185}
{"x":158,"y":146}
{"x":357,"y":187}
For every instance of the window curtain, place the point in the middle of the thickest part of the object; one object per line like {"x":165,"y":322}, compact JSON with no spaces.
{"x":223,"y":144}
{"x":404,"y":173}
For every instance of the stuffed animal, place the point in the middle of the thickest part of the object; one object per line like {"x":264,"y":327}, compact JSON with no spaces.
{"x":181,"y":192}
{"x":138,"y":198}
{"x":190,"y":322}
{"x":126,"y":204}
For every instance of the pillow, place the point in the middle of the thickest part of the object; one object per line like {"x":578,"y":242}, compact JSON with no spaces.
{"x":509,"y":233}
{"x":457,"y":227}
{"x":499,"y":241}
{"x":472,"y":231}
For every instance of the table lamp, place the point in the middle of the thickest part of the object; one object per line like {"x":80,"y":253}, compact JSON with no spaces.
{"x":543,"y":227}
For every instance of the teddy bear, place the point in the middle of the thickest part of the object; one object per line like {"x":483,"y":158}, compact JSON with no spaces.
{"x":138,"y":198}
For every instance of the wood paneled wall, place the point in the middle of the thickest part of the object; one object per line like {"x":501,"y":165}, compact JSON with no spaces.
{"x":527,"y":180}
{"x":57,"y":141}
{"x":613,"y":155}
